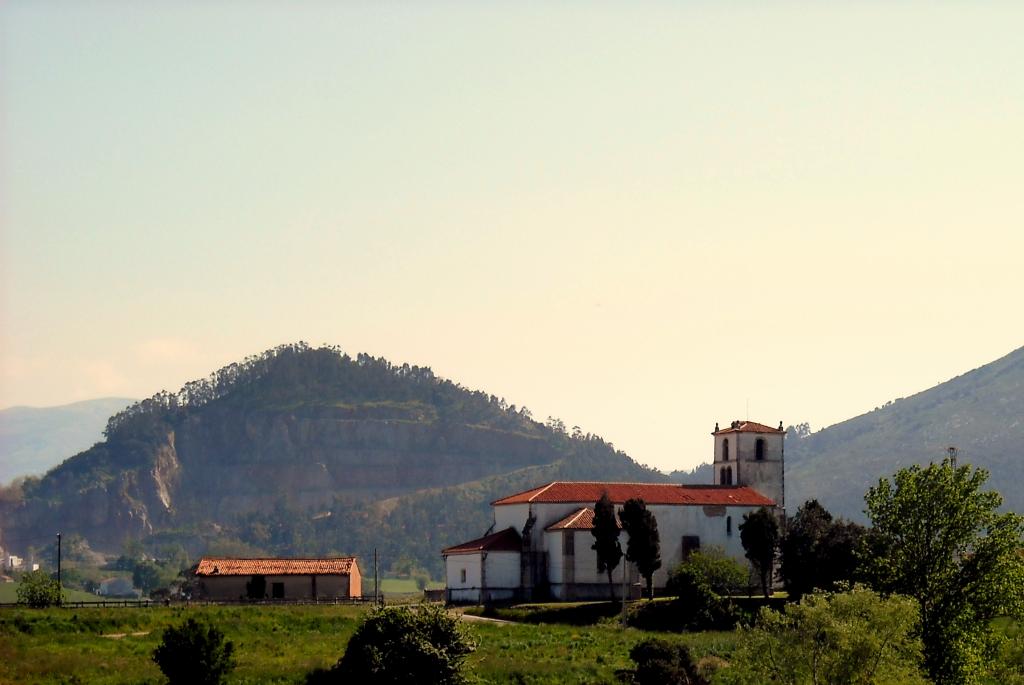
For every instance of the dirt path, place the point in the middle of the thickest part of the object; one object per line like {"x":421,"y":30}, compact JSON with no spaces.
{"x":118,"y":636}
{"x":470,"y":618}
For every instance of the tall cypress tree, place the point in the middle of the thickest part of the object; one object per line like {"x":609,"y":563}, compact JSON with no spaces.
{"x":606,"y":539}
{"x":759,"y":533}
{"x":644,"y":545}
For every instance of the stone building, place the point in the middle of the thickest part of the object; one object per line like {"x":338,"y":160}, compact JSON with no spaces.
{"x":542,"y":547}
{"x":308,"y":579}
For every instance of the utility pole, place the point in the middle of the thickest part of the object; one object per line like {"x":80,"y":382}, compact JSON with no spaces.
{"x":59,"y":586}
{"x":376,"y":585}
{"x":624,"y":574}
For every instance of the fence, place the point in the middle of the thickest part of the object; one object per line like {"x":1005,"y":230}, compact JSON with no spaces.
{"x":139,"y":603}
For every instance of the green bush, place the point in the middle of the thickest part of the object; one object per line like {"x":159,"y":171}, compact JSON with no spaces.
{"x":38,"y":590}
{"x":403,"y":646}
{"x":194,"y":653}
{"x":659,"y":662}
{"x":722,"y":574}
{"x":854,"y":637}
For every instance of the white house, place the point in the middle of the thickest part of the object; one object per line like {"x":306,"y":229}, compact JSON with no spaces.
{"x":542,"y":547}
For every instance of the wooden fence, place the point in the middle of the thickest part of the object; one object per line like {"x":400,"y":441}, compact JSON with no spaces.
{"x":141,"y":603}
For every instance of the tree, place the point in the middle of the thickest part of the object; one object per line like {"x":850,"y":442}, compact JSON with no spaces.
{"x":759,"y":533}
{"x":938,"y":538}
{"x":400,"y":645}
{"x":839,"y":554}
{"x":643,"y":547}
{"x":696,"y":605}
{"x":606,"y":539}
{"x":854,"y":637}
{"x":194,"y":653}
{"x":39,"y":590}
{"x":146,"y":576}
{"x":799,"y":548}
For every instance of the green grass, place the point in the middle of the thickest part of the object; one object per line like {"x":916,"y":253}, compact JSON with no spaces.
{"x":282,"y":644}
{"x":9,"y":593}
{"x":401,"y":586}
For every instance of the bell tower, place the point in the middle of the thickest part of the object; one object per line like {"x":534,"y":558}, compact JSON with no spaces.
{"x":751,"y":454}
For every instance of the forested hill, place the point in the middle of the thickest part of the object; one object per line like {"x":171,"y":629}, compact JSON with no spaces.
{"x":980,"y":412}
{"x":293,"y":451}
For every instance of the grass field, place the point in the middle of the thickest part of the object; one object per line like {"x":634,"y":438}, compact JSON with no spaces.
{"x":400,"y":586}
{"x":282,"y":644}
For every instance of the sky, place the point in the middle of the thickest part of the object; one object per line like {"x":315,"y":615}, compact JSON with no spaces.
{"x":641,"y":218}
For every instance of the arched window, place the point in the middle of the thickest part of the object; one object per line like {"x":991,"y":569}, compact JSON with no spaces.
{"x":728,"y":525}
{"x":759,"y":449}
{"x":727,"y":476}
{"x":725,"y":450}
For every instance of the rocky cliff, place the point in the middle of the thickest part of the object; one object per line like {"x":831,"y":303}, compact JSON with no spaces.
{"x":300,"y":428}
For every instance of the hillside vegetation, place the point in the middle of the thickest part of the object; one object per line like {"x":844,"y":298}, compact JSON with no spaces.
{"x":980,"y":412}
{"x":306,"y":450}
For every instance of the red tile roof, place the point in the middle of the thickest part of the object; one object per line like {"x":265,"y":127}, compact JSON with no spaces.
{"x":224,"y":566}
{"x":651,"y":493}
{"x":507,"y":540}
{"x":582,"y":519}
{"x":748,"y":427}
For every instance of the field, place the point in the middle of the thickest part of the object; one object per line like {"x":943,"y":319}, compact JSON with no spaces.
{"x":401,"y":586}
{"x":282,"y":644}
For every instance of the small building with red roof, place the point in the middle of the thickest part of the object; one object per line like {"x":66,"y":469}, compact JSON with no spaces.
{"x":278,"y":578}
{"x":543,"y":547}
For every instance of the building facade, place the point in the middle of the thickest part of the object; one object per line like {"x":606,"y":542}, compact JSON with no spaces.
{"x":543,"y":544}
{"x":287,"y":579}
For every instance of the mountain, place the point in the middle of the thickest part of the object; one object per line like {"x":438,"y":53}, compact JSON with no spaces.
{"x":980,"y":412}
{"x":306,"y":451}
{"x":35,"y":439}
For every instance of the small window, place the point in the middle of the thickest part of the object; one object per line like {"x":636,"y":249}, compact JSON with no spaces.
{"x":725,"y":450}
{"x":759,"y":449}
{"x":462,"y":576}
{"x":568,"y":543}
{"x":691,"y":544}
{"x":277,"y":590}
{"x":728,"y":525}
{"x":726,"y":478}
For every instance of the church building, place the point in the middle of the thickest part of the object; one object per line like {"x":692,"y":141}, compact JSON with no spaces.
{"x":539,"y":544}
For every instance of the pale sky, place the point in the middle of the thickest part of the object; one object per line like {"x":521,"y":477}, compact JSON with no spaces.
{"x":638,"y":217}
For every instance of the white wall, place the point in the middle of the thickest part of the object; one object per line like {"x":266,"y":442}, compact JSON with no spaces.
{"x":503,"y":569}
{"x":674,"y":521}
{"x":454,"y":564}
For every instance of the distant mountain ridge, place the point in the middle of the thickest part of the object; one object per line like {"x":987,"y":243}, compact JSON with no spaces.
{"x":980,"y":412}
{"x":292,"y":452}
{"x":35,"y":439}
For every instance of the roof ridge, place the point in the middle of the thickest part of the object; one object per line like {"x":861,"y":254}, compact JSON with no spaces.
{"x":579,"y":513}
{"x":543,"y":489}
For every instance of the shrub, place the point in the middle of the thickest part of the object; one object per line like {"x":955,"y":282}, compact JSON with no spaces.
{"x":852,"y":637}
{"x":722,"y":574}
{"x":403,"y":646}
{"x":659,"y":662}
{"x":39,"y":590}
{"x":194,"y":653}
